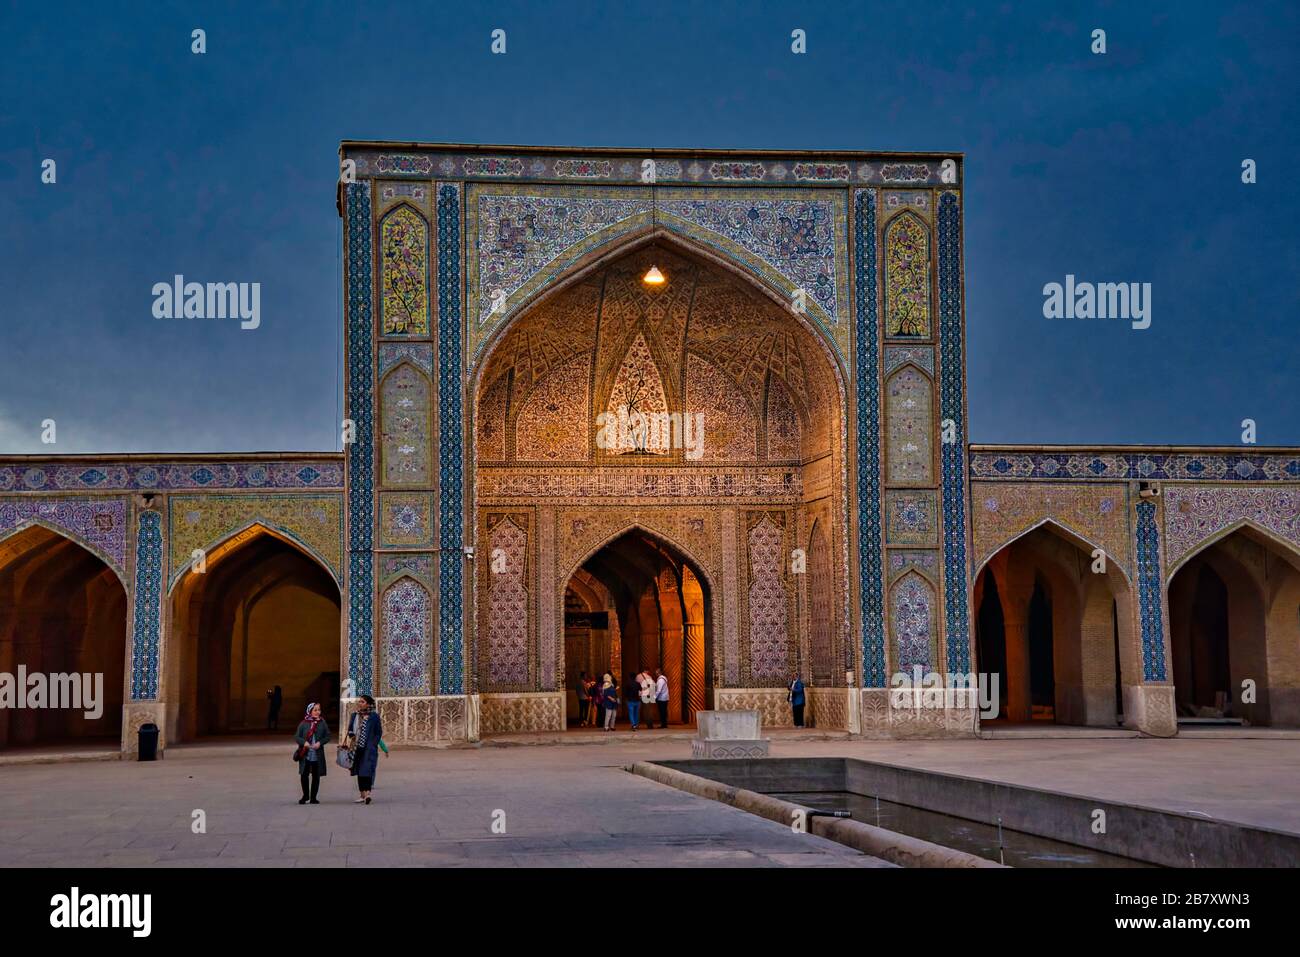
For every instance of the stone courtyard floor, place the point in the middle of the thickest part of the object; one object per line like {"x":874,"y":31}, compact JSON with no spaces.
{"x":564,"y":805}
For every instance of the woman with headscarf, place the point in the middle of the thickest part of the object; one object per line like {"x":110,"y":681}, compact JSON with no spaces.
{"x":365,"y":729}
{"x":313,"y":734}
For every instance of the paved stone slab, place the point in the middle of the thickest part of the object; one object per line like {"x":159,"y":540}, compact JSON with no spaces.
{"x":563,"y":806}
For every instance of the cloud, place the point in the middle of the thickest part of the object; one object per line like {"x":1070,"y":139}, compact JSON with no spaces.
{"x":16,"y":439}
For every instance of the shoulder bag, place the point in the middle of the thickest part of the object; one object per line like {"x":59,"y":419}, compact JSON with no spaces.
{"x":345,"y":755}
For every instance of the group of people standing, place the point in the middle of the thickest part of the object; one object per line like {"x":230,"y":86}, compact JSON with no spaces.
{"x":599,"y":699}
{"x":364,"y":741}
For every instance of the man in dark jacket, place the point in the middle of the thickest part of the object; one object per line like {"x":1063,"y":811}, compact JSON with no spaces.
{"x":796,"y":698}
{"x":584,"y":700}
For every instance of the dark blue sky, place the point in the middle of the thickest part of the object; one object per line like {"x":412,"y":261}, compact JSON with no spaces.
{"x":1123,"y":167}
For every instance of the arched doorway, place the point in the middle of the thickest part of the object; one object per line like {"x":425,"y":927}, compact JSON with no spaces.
{"x":262,"y":613}
{"x":638,"y":604}
{"x":63,"y":611}
{"x":1055,"y":630}
{"x":1234,"y":627}
{"x":698,"y":409}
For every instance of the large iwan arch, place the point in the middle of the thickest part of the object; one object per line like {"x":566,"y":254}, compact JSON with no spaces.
{"x":558,"y":475}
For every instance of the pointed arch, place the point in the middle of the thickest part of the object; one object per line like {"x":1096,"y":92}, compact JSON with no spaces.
{"x":769,"y":602}
{"x":406,"y":426}
{"x":263,"y":610}
{"x":406,"y":638}
{"x":234,"y":539}
{"x":63,"y":610}
{"x":714,"y":316}
{"x":821,"y":605}
{"x":1062,"y":633}
{"x":784,"y":422}
{"x":700,"y":569}
{"x":908,"y":308}
{"x":668,"y":601}
{"x":1287,"y":551}
{"x":914,"y":623}
{"x":616,"y":248}
{"x":638,"y":388}
{"x":404,"y":301}
{"x":1075,"y":538}
{"x":509,"y":605}
{"x":11,"y":544}
{"x":909,"y":417}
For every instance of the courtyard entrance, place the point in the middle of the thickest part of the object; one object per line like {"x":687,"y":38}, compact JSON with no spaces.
{"x":1234,"y":626}
{"x":637,"y":604}
{"x":1055,"y":631}
{"x":62,"y":612}
{"x":262,"y":614}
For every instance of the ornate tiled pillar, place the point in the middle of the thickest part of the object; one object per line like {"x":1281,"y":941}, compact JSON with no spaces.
{"x":360,"y":410}
{"x":451,"y":449}
{"x":1149,"y":707}
{"x":144,"y":706}
{"x":952,"y":410}
{"x":874,"y":695}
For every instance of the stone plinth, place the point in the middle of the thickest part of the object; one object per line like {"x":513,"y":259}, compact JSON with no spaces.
{"x":729,"y":734}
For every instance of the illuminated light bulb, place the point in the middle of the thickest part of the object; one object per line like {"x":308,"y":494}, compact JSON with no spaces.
{"x":654,"y":277}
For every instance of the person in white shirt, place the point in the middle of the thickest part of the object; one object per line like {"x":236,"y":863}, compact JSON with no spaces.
{"x":647,"y":694}
{"x":661,"y":697}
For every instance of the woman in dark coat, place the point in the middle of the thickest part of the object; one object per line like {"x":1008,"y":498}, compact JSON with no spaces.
{"x":365,"y":730}
{"x":313,"y":734}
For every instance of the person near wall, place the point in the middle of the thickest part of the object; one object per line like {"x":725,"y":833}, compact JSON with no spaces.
{"x":364,"y":732}
{"x":584,"y":699}
{"x":795,"y":695}
{"x":594,"y":713}
{"x":274,"y":701}
{"x":661,"y":696}
{"x":609,"y":700}
{"x":632,"y":692}
{"x":312,"y":736}
{"x":647,"y":696}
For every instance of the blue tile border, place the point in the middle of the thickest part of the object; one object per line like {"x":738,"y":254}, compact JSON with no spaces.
{"x":1105,"y":465}
{"x":1149,"y":597}
{"x":451,"y":478}
{"x":148,"y":605}
{"x":952,"y":405}
{"x":868,"y":434}
{"x":360,"y":453}
{"x":58,"y":476}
